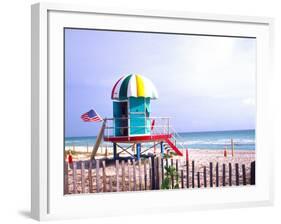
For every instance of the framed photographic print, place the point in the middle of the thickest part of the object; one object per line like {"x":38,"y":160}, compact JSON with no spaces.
{"x":168,"y":110}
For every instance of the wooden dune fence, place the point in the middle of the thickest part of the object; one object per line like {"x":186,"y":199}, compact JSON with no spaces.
{"x":148,"y":174}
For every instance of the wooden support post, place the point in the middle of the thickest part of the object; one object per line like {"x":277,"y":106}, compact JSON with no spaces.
{"x":244,"y":174}
{"x":104,"y":175}
{"x":138,"y":151}
{"x":182,"y":183}
{"x":205,"y":177}
{"x":223,"y":174}
{"x":123,"y":175}
{"x":145,"y":174}
{"x":140,"y":176}
{"x":162,"y":149}
{"x":90,"y":176}
{"x":150,"y":172}
{"x":217,"y":174}
{"x":98,"y":176}
{"x":172,"y":176}
{"x":187,"y":173}
{"x":83,"y":176}
{"x":198,"y":179}
{"x":253,"y":173}
{"x":192,"y":174}
{"x":211,"y":174}
{"x":129,"y":175}
{"x":237,"y":174}
{"x":66,"y":190}
{"x":156,"y":170}
{"x":117,"y":174}
{"x":115,"y":151}
{"x":134,"y":175}
{"x":74,"y":178}
{"x":230,"y":173}
{"x":159,"y":172}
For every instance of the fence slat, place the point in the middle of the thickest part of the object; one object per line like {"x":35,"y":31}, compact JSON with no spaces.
{"x":66,"y":190}
{"x":145,"y":174}
{"x":205,"y":177}
{"x":198,"y":179}
{"x":237,"y":174}
{"x":230,"y":174}
{"x":123,"y":175}
{"x":211,"y":174}
{"x":117,"y":174}
{"x":217,"y":174}
{"x":98,"y":176}
{"x":253,"y":173}
{"x":187,"y":173}
{"x":104,"y":175}
{"x":83,"y":176}
{"x":90,"y":177}
{"x":140,"y":176}
{"x":110,"y":184}
{"x":162,"y":168}
{"x":192,"y":174}
{"x":244,"y":174}
{"x":134,"y":175}
{"x":129,"y":175}
{"x":172,"y":176}
{"x":182,"y":183}
{"x":223,"y":174}
{"x":74,"y":178}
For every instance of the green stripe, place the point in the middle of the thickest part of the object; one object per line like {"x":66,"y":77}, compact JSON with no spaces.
{"x":124,"y":88}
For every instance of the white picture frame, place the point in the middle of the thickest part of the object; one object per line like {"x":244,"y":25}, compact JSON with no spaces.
{"x":47,"y":199}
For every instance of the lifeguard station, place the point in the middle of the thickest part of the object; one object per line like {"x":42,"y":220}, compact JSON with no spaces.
{"x":132,"y":124}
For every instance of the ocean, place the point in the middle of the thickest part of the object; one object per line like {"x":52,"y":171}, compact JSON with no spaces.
{"x":243,"y":139}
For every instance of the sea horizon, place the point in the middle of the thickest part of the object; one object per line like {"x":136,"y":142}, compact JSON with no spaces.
{"x":221,"y":139}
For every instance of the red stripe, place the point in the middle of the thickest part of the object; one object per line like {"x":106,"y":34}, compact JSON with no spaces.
{"x":112,"y":93}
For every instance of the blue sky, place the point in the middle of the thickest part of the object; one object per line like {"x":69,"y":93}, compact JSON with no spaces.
{"x":204,"y":83}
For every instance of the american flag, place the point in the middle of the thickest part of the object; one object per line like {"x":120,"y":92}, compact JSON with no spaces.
{"x":91,"y":116}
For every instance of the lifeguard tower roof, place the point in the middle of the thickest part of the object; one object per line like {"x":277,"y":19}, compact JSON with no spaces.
{"x":133,"y":85}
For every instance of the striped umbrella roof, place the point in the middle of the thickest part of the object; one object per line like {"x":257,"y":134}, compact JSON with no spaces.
{"x":133,"y":86}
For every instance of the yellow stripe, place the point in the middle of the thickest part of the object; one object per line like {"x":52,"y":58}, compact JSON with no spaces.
{"x":140,"y":86}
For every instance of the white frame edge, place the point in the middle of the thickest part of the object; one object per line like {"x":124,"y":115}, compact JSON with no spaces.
{"x":39,"y":89}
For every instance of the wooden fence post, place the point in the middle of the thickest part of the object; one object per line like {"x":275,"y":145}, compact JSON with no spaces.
{"x":140,"y":176}
{"x":97,"y":176}
{"x":187,"y":174}
{"x":123,"y":175}
{"x":205,"y":177}
{"x":192,"y":174}
{"x":198,"y":179}
{"x":244,"y":174}
{"x":66,"y":191}
{"x":74,"y":178}
{"x":217,"y":174}
{"x":129,"y":175}
{"x":223,"y":174}
{"x":172,"y":176}
{"x":110,"y":183}
{"x":117,"y":174}
{"x":253,"y":173}
{"x":145,"y":174}
{"x":237,"y":174}
{"x":182,"y":183}
{"x":230,"y":174}
{"x":90,"y":177}
{"x":159,"y":175}
{"x":211,"y":174}
{"x":134,"y":175}
{"x":152,"y":173}
{"x":104,"y":175}
{"x":162,"y":168}
{"x":82,"y":176}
